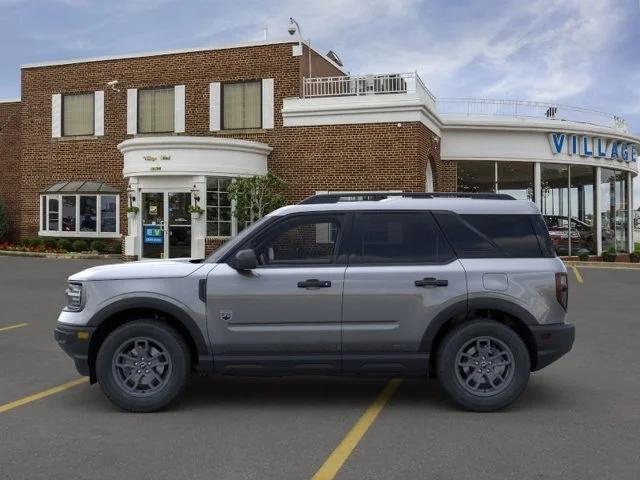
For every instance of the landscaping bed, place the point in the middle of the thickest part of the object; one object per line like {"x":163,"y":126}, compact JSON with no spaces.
{"x":62,"y":248}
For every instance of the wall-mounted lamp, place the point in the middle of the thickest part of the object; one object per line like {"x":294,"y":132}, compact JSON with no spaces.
{"x":131,"y":191}
{"x":196,"y":194}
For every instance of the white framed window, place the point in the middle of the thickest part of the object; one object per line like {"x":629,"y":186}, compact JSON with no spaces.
{"x":220,"y":218}
{"x":156,"y":110}
{"x":242,"y":105}
{"x":80,"y":215}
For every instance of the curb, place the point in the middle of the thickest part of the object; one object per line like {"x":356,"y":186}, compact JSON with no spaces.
{"x":60,"y":256}
{"x":632,"y":266}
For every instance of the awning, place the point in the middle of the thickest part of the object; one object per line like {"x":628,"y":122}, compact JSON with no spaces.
{"x":81,"y":186}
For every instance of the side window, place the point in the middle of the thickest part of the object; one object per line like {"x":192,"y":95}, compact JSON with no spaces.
{"x":306,"y":240}
{"x":467,"y":241}
{"x":397,"y":238}
{"x":514,"y":234}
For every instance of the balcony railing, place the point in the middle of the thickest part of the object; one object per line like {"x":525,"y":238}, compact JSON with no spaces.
{"x":356,"y":85}
{"x":474,"y":107}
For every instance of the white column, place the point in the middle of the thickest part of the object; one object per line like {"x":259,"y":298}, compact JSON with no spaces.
{"x":132,"y":243}
{"x":630,"y":212}
{"x":597,"y":213}
{"x":199,"y":226}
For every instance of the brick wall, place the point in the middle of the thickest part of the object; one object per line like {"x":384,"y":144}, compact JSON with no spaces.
{"x":338,"y":157}
{"x":10,"y":162}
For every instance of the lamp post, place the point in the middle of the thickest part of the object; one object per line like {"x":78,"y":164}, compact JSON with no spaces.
{"x":294,"y":27}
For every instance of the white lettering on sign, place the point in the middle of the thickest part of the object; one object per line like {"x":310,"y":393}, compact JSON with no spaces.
{"x":588,"y":146}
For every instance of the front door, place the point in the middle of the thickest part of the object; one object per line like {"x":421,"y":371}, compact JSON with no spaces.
{"x":401,"y":274}
{"x":285,"y":315}
{"x":166,"y":225}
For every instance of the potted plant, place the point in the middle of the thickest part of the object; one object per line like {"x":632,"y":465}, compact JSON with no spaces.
{"x":583,"y":255}
{"x":196,"y":211}
{"x":132,"y":212}
{"x":634,"y":257}
{"x":610,"y":255}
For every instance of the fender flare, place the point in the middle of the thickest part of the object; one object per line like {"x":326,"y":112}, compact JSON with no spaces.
{"x":175,"y":311}
{"x":462,"y":309}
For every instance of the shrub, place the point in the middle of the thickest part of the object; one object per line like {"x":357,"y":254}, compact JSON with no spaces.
{"x":27,"y":243}
{"x":116,"y":247}
{"x":79,"y":245}
{"x":65,"y":244}
{"x":37,"y":242}
{"x":583,"y":254}
{"x":49,"y":243}
{"x":4,"y":221}
{"x":98,"y":246}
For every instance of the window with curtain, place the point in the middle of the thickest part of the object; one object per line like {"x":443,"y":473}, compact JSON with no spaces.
{"x":242,"y":105}
{"x":77,"y":114}
{"x":156,"y":107}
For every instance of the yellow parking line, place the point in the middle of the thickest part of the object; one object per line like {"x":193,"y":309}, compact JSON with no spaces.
{"x":577,"y":274}
{"x":11,"y":327}
{"x":335,"y":461}
{"x":43,"y":394}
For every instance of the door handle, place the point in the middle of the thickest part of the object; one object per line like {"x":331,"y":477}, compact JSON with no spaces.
{"x":431,"y":282}
{"x":314,"y":283}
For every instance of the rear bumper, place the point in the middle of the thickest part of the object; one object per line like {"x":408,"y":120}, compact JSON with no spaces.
{"x":74,"y":341}
{"x":552,"y":342}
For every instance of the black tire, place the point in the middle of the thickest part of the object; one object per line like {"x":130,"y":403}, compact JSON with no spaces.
{"x":458,"y":365}
{"x":162,"y":384}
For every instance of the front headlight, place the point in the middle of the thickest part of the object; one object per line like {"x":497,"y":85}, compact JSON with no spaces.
{"x":74,"y":297}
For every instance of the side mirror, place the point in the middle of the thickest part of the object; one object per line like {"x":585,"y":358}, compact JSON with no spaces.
{"x":245,"y":260}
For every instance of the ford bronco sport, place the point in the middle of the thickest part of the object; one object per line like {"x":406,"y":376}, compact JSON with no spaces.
{"x":465,"y":288}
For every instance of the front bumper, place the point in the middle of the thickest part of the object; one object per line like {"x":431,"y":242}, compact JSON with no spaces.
{"x":74,"y":341}
{"x":552,"y":342}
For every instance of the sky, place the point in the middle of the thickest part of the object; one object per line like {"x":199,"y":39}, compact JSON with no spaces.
{"x":578,"y":52}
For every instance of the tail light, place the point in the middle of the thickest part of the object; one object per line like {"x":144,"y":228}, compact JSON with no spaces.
{"x":562,"y":289}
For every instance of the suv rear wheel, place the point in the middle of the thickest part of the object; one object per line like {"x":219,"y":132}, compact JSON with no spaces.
{"x":143,"y":366}
{"x":483,"y":365}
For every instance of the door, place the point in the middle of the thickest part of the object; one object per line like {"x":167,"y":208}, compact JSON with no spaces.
{"x":284,"y":315}
{"x":153,"y":225}
{"x":179,"y":222}
{"x":401,"y":274}
{"x":166,"y":225}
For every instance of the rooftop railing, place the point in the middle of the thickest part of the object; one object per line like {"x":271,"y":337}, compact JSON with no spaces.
{"x":356,"y":85}
{"x":474,"y":107}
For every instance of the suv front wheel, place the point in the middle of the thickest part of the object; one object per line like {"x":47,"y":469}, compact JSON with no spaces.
{"x":143,"y":366}
{"x":483,"y":365}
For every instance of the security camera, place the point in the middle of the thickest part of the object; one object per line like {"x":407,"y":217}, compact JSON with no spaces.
{"x":112,"y":84}
{"x":291,"y":29}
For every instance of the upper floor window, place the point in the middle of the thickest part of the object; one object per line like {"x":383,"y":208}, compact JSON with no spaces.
{"x":242,"y":105}
{"x":156,"y":110}
{"x":78,"y":114}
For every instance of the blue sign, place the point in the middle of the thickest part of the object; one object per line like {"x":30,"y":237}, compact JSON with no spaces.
{"x":588,"y":146}
{"x":153,"y":235}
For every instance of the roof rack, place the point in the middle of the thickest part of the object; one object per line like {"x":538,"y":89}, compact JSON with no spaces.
{"x":376,"y":196}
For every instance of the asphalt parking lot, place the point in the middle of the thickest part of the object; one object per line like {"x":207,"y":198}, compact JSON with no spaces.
{"x":579,"y":419}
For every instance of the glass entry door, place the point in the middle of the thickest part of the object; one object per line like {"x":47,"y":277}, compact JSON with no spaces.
{"x":166,"y":225}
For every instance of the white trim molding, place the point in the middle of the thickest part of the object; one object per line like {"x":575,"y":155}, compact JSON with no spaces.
{"x":384,"y":108}
{"x":267,"y":103}
{"x":214,"y":106}
{"x":56,"y":115}
{"x":188,"y":156}
{"x":98,"y":113}
{"x":179,"y":108}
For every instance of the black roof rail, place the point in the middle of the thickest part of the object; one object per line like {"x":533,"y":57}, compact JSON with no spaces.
{"x":376,"y":196}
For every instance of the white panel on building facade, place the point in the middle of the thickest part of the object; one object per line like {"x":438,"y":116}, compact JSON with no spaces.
{"x":56,"y":115}
{"x":267,"y":103}
{"x":98,"y":115}
{"x":132,"y":111}
{"x":179,"y":99}
{"x":214,"y":106}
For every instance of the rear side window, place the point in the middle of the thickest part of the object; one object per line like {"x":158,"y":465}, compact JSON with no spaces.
{"x":398,"y":238}
{"x":492,"y":236}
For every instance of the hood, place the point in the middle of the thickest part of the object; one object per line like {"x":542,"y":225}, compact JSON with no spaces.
{"x":143,"y":269}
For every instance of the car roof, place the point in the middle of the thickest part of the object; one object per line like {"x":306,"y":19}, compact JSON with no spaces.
{"x":469,"y":206}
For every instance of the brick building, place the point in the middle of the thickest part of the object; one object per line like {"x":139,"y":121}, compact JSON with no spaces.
{"x":165,"y":130}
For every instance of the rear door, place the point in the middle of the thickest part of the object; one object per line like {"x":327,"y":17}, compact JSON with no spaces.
{"x":402,"y":273}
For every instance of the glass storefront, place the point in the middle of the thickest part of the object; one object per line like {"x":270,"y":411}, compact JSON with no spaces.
{"x":614,"y":209}
{"x":568,"y":199}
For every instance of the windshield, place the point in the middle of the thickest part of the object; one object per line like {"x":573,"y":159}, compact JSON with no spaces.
{"x":234,"y":241}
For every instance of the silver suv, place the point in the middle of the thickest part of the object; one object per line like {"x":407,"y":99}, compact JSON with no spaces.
{"x":465,"y":288}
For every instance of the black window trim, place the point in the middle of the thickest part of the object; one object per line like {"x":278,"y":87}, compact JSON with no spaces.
{"x":93,"y":123}
{"x":339,"y":258}
{"x":235,"y":82}
{"x":158,"y":87}
{"x":349,"y":246}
